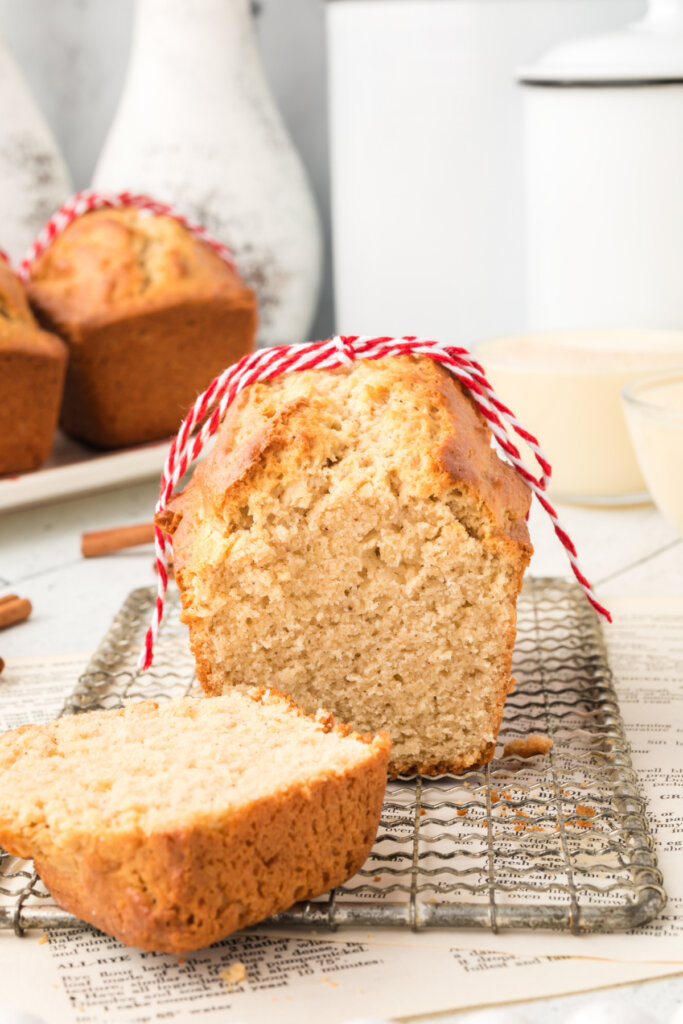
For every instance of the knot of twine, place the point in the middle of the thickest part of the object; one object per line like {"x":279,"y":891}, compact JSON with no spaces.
{"x":326,"y":355}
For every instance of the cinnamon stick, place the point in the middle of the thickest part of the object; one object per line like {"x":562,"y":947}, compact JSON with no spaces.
{"x":13,"y":609}
{"x":105,"y":542}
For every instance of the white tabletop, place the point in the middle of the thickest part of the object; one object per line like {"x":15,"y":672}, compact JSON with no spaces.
{"x":623,"y":551}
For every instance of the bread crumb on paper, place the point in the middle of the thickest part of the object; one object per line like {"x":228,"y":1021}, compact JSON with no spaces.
{"x":43,"y":939}
{"x":528,"y":746}
{"x":235,"y":974}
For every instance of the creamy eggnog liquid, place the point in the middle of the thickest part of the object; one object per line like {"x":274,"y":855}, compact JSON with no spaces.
{"x":655,"y":419}
{"x":565,"y":388}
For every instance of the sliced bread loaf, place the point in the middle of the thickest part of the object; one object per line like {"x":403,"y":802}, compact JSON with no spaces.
{"x":354,"y":538}
{"x":170,"y":826}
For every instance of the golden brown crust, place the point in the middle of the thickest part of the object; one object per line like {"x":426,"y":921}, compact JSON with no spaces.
{"x":150,"y":314}
{"x":32,"y":367}
{"x":528,"y":746}
{"x":111,"y":264}
{"x":464,"y":455}
{"x":183,"y":887}
{"x":135,"y":380}
{"x":468,"y":458}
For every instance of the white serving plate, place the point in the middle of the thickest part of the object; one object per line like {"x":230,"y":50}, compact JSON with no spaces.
{"x":73,"y":469}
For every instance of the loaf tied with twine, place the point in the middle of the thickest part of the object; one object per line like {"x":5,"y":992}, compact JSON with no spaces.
{"x":88,"y":200}
{"x":205,"y":417}
{"x":206,"y":414}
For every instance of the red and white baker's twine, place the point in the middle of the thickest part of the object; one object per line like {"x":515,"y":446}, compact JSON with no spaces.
{"x":87,"y":201}
{"x":326,"y":355}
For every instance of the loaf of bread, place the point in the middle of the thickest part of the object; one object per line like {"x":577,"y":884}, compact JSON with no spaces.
{"x":150,"y":314}
{"x":32,"y":366}
{"x":354,"y":539}
{"x":170,"y":826}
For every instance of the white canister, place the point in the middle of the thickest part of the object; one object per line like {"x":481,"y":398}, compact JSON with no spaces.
{"x":427,"y":157}
{"x":604,"y":178}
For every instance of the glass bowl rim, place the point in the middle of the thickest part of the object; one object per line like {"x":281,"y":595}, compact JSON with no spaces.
{"x":631,"y":396}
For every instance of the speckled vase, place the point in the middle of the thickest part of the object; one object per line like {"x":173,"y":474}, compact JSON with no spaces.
{"x":197,"y":126}
{"x":34,"y":180}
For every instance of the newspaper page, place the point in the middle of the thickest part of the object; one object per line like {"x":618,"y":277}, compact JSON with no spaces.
{"x":80,"y":977}
{"x":645,"y":648}
{"x":34,"y":689}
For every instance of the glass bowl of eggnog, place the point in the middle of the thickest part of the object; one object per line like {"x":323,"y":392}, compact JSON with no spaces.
{"x":654,"y":411}
{"x":565,"y":387}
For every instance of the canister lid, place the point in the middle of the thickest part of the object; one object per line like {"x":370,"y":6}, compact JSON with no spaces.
{"x":647,"y":52}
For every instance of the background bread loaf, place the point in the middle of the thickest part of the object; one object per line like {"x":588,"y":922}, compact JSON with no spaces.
{"x":32,"y":367}
{"x":150,"y":315}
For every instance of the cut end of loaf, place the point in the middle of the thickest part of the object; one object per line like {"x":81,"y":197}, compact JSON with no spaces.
{"x":170,"y":826}
{"x":355,"y":540}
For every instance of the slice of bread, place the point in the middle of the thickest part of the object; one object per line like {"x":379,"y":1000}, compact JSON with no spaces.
{"x":354,"y":539}
{"x":170,"y":826}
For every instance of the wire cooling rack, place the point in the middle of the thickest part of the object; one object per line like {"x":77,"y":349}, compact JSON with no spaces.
{"x":557,"y":840}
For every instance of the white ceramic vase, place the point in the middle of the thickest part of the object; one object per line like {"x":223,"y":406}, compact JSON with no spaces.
{"x":197,"y":126}
{"x":34,"y":180}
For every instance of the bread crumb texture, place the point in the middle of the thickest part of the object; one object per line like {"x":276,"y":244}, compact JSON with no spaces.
{"x":170,"y":826}
{"x":528,"y":746}
{"x":354,"y":540}
{"x":233,"y":975}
